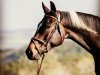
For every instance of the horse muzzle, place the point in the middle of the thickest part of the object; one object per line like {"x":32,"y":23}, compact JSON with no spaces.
{"x":31,"y":55}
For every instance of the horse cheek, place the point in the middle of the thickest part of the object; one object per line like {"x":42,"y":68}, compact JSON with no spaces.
{"x":56,"y":39}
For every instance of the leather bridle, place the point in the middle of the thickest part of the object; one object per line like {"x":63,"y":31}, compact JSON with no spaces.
{"x":42,"y":52}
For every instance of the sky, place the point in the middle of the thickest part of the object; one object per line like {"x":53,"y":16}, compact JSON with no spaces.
{"x":19,"y":18}
{"x":26,"y":14}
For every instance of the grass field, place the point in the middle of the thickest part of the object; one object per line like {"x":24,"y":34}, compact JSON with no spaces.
{"x":67,"y":59}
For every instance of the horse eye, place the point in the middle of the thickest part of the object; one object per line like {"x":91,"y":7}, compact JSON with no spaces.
{"x":50,"y":23}
{"x":49,"y":20}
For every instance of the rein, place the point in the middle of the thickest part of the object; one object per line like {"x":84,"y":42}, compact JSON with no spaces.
{"x":42,"y":52}
{"x":39,"y":66}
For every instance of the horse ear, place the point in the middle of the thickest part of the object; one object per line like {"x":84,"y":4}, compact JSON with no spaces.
{"x":46,"y":10}
{"x":53,"y":8}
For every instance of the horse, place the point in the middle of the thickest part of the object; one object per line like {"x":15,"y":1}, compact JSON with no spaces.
{"x":57,"y":25}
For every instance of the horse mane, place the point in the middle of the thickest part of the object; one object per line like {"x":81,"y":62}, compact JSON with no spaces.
{"x":88,"y":21}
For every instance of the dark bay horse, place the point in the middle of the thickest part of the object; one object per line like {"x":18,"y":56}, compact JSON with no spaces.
{"x":82,"y":28}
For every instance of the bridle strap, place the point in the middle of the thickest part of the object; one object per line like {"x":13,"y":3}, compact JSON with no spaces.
{"x":38,"y":40}
{"x":36,"y":47}
{"x":50,"y":35}
{"x":58,"y":20}
{"x":45,"y":43}
{"x":59,"y":23}
{"x":39,"y":66}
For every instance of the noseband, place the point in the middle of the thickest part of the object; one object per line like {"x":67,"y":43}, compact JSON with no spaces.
{"x":41,"y":52}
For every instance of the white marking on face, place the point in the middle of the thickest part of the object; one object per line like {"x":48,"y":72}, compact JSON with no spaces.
{"x":78,"y":22}
{"x":40,"y":24}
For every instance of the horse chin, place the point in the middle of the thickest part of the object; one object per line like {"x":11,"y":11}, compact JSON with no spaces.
{"x":36,"y":57}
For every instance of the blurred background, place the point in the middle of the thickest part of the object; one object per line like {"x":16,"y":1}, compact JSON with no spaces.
{"x":18,"y":23}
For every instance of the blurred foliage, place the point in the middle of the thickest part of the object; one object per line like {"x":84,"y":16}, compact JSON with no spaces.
{"x":67,"y":59}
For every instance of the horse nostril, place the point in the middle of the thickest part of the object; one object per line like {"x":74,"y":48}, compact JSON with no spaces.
{"x":29,"y":53}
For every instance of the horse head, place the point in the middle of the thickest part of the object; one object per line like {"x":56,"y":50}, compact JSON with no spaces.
{"x":50,"y":33}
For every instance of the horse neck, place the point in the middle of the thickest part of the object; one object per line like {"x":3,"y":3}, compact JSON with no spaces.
{"x":79,"y":32}
{"x":84,"y":36}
